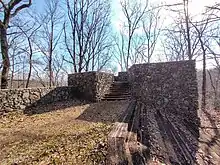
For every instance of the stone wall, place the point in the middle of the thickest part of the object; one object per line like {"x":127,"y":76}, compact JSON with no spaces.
{"x":170,"y":87}
{"x":103,"y":83}
{"x":91,"y":85}
{"x":19,"y":99}
{"x":122,"y":76}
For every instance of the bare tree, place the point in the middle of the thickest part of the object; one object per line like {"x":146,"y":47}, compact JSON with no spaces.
{"x":28,"y":49}
{"x":89,"y":23}
{"x":50,"y":34}
{"x":181,"y":40}
{"x":185,"y":39}
{"x":200,"y":33}
{"x":120,"y":55}
{"x":152,"y":29}
{"x":9,"y":10}
{"x":134,"y":13}
{"x":175,"y":48}
{"x":187,"y":19}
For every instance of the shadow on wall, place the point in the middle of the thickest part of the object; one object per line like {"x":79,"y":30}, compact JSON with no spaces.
{"x":59,"y":95}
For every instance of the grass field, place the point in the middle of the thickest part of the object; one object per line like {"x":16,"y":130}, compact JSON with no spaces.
{"x":71,"y":133}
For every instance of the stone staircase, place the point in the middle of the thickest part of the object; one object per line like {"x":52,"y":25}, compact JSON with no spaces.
{"x":119,"y":90}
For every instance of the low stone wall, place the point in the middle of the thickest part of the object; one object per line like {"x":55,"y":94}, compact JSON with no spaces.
{"x":91,"y":85}
{"x":170,"y":87}
{"x":19,"y":99}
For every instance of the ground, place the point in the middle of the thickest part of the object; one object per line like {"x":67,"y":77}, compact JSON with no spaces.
{"x":209,"y":140}
{"x":76,"y":133}
{"x":71,"y":133}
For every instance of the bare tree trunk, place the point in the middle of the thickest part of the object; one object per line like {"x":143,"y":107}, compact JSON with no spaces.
{"x":12,"y":73}
{"x":128,"y":51}
{"x":11,"y":9}
{"x":203,"y":104}
{"x":50,"y":56}
{"x":13,"y":69}
{"x":186,"y":12}
{"x":5,"y":57}
{"x":30,"y":63}
{"x":74,"y":35}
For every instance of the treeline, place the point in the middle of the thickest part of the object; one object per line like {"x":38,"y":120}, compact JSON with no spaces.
{"x":67,"y":36}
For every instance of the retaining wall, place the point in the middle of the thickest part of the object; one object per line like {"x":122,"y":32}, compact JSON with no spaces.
{"x":170,"y":87}
{"x":91,"y":85}
{"x":19,"y":99}
{"x":122,"y":76}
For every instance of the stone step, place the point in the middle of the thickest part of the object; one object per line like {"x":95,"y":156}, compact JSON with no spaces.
{"x":117,"y":94}
{"x":114,"y":99}
{"x":119,"y":86}
{"x":121,"y":82}
{"x":121,"y":95}
{"x":118,"y":91}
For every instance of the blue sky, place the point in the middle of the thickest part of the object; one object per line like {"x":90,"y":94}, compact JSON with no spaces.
{"x":196,"y":6}
{"x":39,"y":4}
{"x":117,"y":16}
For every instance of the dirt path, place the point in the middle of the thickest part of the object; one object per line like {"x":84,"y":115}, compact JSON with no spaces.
{"x":73,"y":134}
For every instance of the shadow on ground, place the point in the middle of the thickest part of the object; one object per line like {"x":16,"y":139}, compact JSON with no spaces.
{"x":167,"y":137}
{"x":58,"y":98}
{"x":104,"y":111}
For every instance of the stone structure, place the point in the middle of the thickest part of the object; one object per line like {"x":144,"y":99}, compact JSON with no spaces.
{"x":122,"y":76}
{"x":19,"y":99}
{"x":169,"y":87}
{"x":164,"y":124}
{"x":91,"y":85}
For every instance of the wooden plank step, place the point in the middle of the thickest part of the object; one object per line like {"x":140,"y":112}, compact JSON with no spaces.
{"x":116,"y":144}
{"x":118,"y":149}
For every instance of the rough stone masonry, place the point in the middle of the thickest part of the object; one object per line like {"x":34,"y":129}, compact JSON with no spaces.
{"x":170,"y":87}
{"x":91,"y":86}
{"x":19,"y":99}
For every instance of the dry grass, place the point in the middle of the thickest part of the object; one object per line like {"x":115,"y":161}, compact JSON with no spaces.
{"x":73,"y":134}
